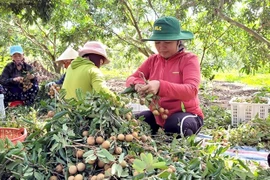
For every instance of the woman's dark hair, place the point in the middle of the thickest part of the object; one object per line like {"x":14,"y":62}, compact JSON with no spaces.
{"x":95,"y":58}
{"x":181,"y":46}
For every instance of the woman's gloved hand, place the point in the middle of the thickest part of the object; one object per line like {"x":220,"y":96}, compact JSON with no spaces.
{"x":50,"y":84}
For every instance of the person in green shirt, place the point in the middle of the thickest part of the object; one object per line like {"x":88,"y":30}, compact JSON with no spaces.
{"x":84,"y":72}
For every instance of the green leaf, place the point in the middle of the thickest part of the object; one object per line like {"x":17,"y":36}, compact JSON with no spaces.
{"x":60,"y":114}
{"x":164,"y":175}
{"x":79,"y":94}
{"x":130,"y":89}
{"x":144,"y":158}
{"x":139,"y":165}
{"x":108,"y":155}
{"x":150,"y":158}
{"x":160,"y":165}
{"x":56,"y":138}
{"x":183,"y":107}
{"x":88,"y":153}
{"x":54,"y":146}
{"x":121,"y":157}
{"x":65,"y":128}
{"x":125,"y":173}
{"x":117,"y":169}
{"x":38,"y":175}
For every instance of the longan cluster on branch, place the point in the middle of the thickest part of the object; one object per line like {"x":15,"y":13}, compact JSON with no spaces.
{"x":152,"y":100}
{"x":55,"y":88}
{"x":26,"y":83}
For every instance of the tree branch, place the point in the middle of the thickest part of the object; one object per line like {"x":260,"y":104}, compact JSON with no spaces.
{"x":33,"y":40}
{"x":235,"y":23}
{"x":151,"y":5}
{"x":133,"y":20}
{"x":46,"y":35}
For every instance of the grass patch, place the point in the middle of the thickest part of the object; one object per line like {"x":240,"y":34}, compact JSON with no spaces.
{"x":257,"y":80}
{"x":115,"y":73}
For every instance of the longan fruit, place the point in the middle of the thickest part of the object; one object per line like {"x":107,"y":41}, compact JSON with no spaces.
{"x":172,"y":167}
{"x":93,"y":177}
{"x":164,"y":116}
{"x":129,"y":138}
{"x":156,"y":113}
{"x":91,"y":161}
{"x":135,"y":134}
{"x":91,"y":140}
{"x":131,"y":160}
{"x":128,"y":116}
{"x":169,"y":170}
{"x":121,"y":137}
{"x":72,"y":169}
{"x":118,"y":150}
{"x":79,"y":153}
{"x":100,"y":176}
{"x":112,"y":138}
{"x":107,"y":166}
{"x":135,"y":121}
{"x":71,"y":178}
{"x":78,"y":177}
{"x":53,"y":178}
{"x":59,"y":168}
{"x":161,"y":110}
{"x":166,"y":111}
{"x":101,"y":164}
{"x":106,"y":144}
{"x":50,"y":113}
{"x":85,"y":133}
{"x":144,"y":138}
{"x":80,"y":167}
{"x":142,"y":101}
{"x":99,"y":140}
{"x":123,"y":164}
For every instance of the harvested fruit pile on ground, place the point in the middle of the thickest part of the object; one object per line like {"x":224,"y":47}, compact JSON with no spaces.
{"x":92,"y":138}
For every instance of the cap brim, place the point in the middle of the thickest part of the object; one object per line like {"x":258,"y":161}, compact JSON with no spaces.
{"x":16,"y":52}
{"x":184,"y":35}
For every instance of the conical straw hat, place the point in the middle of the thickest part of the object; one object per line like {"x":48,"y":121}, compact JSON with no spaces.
{"x":68,"y":54}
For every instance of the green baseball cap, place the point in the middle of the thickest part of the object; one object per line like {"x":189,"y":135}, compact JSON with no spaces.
{"x":168,"y":29}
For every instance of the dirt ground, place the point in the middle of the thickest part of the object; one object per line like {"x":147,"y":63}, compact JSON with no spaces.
{"x":211,"y":93}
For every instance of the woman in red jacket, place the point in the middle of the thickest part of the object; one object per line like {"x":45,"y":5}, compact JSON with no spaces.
{"x":174,"y":75}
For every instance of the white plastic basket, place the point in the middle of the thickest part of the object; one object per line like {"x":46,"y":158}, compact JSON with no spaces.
{"x":243,"y":111}
{"x":137,"y":107}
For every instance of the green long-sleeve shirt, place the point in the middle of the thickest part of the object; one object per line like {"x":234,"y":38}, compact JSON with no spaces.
{"x":83,"y":74}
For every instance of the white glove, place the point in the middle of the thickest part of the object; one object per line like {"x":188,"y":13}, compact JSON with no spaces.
{"x":50,"y":84}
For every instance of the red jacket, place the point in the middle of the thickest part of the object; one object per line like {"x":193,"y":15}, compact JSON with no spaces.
{"x":179,"y":78}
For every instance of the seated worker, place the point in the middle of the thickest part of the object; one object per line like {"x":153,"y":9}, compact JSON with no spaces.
{"x":66,"y":57}
{"x":84,"y":72}
{"x":174,"y":75}
{"x":19,"y":84}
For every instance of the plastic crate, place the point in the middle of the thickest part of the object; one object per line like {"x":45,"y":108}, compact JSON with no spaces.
{"x":242,"y":112}
{"x":14,"y":134}
{"x":137,"y":107}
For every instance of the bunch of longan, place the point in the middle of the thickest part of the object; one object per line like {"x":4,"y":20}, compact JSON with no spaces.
{"x":53,"y":89}
{"x":156,"y":109}
{"x":161,"y":112}
{"x":26,"y":82}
